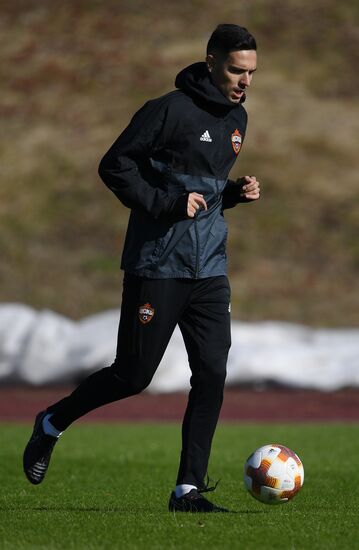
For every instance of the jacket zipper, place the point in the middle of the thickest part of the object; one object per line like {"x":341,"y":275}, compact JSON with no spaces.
{"x":222,"y":125}
{"x":195,"y":221}
{"x":197,"y":253}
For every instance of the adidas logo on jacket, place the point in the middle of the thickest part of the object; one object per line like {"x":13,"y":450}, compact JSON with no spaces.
{"x":205,"y":136}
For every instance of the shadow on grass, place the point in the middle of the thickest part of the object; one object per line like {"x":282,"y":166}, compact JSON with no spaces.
{"x":120,"y":509}
{"x":131,"y":510}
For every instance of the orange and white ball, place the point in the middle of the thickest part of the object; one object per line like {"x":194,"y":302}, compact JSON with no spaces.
{"x":273,"y":474}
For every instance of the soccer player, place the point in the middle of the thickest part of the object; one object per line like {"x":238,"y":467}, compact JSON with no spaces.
{"x":170,"y":166}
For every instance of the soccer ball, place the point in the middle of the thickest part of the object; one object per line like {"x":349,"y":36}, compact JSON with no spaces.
{"x":273,"y":474}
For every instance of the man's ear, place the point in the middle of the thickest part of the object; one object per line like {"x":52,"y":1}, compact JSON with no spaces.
{"x":210,"y":60}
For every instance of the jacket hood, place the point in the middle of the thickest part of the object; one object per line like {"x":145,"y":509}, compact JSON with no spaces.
{"x":196,"y":81}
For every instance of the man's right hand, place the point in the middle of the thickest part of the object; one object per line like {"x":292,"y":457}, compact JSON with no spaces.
{"x":194,"y":203}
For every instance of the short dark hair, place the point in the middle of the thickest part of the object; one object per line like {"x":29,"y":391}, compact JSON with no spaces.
{"x":228,"y":38}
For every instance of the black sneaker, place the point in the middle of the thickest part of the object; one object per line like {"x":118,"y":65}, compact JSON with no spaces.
{"x":192,"y":502}
{"x":38,"y":451}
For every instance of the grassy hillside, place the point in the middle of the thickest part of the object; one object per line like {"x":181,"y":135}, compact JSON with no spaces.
{"x":74,"y":72}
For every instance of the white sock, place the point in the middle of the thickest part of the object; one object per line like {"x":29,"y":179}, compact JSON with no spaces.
{"x":183,"y":489}
{"x":49,"y":429}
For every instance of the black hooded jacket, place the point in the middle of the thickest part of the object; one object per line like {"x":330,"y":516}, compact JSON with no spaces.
{"x":184,"y":141}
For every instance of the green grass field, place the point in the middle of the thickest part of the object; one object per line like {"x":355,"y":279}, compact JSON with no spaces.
{"x":108,"y":487}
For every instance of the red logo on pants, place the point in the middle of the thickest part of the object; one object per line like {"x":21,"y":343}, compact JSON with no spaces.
{"x":146,"y":313}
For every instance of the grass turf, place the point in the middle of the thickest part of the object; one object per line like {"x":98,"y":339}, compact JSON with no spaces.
{"x":108,"y":487}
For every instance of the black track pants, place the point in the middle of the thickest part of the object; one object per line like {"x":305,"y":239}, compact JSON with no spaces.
{"x":151,"y":308}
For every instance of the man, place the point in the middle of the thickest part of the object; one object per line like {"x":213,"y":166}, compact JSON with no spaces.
{"x":170,"y":167}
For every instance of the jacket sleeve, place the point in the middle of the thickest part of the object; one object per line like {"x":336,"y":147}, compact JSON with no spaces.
{"x":119,"y":168}
{"x":231,"y":195}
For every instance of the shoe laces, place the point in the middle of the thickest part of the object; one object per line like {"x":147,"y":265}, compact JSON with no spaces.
{"x":208,"y":489}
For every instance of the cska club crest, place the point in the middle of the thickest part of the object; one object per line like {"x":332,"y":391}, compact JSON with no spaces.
{"x":236,"y":139}
{"x":146,"y":313}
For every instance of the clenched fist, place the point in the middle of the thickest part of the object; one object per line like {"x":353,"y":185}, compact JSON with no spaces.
{"x":195,"y":202}
{"x":250,"y":188}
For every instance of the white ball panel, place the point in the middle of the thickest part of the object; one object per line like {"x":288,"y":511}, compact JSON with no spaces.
{"x":277,"y":469}
{"x":292,"y":466}
{"x":287,"y":483}
{"x":269,"y":451}
{"x":255,"y":459}
{"x":248,"y":482}
{"x":301,"y":473}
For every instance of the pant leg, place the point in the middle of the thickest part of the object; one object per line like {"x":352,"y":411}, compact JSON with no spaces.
{"x":205,"y":326}
{"x":142,"y":341}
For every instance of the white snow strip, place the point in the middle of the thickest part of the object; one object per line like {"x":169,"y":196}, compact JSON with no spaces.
{"x":42,"y":347}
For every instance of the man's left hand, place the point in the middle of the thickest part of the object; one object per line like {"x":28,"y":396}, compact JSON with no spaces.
{"x":250,"y":188}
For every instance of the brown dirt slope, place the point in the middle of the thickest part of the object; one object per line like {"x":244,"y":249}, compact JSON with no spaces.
{"x":72,"y":74}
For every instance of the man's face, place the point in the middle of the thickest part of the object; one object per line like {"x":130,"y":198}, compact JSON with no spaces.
{"x":233,"y":73}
